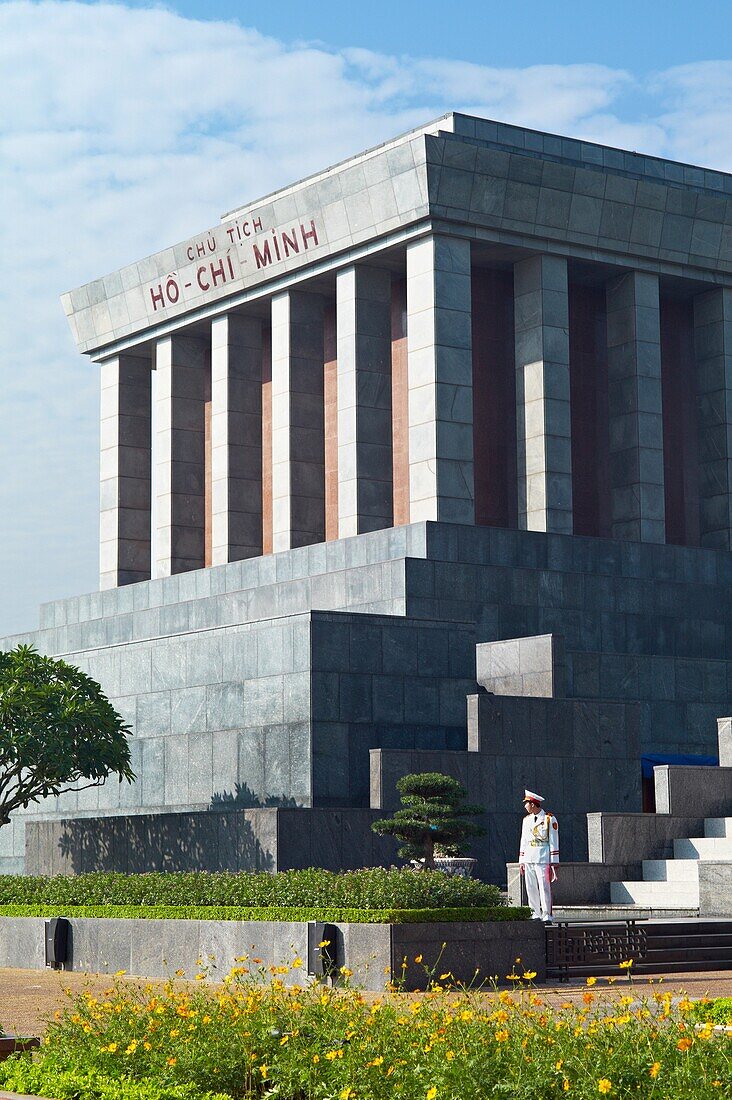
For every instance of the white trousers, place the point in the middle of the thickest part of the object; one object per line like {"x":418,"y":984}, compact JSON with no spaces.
{"x":538,"y":889}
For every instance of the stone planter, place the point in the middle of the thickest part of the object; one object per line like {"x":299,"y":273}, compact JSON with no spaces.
{"x":15,"y":1044}
{"x":462,"y":866}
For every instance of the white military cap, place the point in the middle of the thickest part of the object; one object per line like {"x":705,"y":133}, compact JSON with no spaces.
{"x":529,"y":796}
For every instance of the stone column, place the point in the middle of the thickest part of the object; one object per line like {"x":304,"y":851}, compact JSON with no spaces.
{"x":543,"y":420}
{"x":125,"y":471}
{"x":439,"y":371}
{"x":363,"y":318}
{"x":713,"y":348}
{"x":635,"y":408}
{"x":236,"y":430}
{"x":298,"y":448}
{"x":183,"y":387}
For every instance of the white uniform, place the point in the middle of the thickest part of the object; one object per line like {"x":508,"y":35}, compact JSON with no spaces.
{"x":539,"y":850}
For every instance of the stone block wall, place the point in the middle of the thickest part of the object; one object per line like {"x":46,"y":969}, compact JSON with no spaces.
{"x":267,"y":682}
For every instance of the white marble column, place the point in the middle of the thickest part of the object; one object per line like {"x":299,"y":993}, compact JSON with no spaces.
{"x":236,"y":438}
{"x":543,"y":424}
{"x":183,"y":387}
{"x":298,"y":446}
{"x":125,"y":471}
{"x":440,"y":380}
{"x":713,"y":348}
{"x":635,"y":408}
{"x":363,"y":319}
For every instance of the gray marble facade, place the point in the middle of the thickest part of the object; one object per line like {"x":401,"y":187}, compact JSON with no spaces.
{"x":265,"y":680}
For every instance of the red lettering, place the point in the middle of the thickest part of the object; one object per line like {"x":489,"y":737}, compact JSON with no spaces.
{"x":157,"y":297}
{"x":245,"y":229}
{"x":217,"y":272}
{"x":200,"y":249}
{"x":257,"y":223}
{"x":231,"y":266}
{"x":312,"y":234}
{"x":211,"y":242}
{"x":290,"y":242}
{"x":264,"y":257}
{"x":230,"y":231}
{"x":199,"y":279}
{"x":189,"y":253}
{"x":276,"y":244}
{"x":172,"y":290}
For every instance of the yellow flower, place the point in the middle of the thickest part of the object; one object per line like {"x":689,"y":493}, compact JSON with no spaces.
{"x":591,"y":981}
{"x":324,"y":943}
{"x":418,"y":959}
{"x":604,"y":1085}
{"x":449,"y":1055}
{"x":112,"y":1048}
{"x":331,"y":1055}
{"x":529,"y":974}
{"x":626,"y":965}
{"x":296,"y":963}
{"x":263,"y":1069}
{"x":132,"y":1047}
{"x":120,"y":973}
{"x":347,"y":1093}
{"x":284,"y":1039}
{"x":316,"y":1059}
{"x":376,"y":1062}
{"x":655,"y":1069}
{"x":685,"y":1005}
{"x":501,"y":1035}
{"x":172,"y":1061}
{"x":559,"y":1064}
{"x":683,"y":1045}
{"x":431,"y":1093}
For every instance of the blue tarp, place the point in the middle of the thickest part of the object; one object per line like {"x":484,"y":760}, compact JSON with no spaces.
{"x":648,"y":763}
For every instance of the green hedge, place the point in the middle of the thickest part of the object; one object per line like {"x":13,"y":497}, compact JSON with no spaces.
{"x":373,"y":888}
{"x":23,"y":1076}
{"x":274,"y":913}
{"x":719,"y":1011}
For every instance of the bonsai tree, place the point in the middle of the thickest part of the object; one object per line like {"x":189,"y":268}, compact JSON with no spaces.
{"x":433,"y":817}
{"x":57,"y":731}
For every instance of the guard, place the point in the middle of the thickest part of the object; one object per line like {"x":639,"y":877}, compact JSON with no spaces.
{"x":539,"y":855}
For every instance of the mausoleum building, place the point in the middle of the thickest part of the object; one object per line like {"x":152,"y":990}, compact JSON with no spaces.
{"x":451,"y":417}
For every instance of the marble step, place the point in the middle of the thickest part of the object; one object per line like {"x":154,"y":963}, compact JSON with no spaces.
{"x":670,"y":870}
{"x":704,"y":847}
{"x":718,"y":826}
{"x":608,"y":912}
{"x":674,"y":894}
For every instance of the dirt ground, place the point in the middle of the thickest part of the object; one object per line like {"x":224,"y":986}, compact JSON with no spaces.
{"x":29,"y":998}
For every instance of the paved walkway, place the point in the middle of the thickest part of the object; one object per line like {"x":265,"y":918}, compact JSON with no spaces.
{"x":29,"y":998}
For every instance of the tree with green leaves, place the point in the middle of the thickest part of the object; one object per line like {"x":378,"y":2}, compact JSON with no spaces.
{"x":433,"y":816}
{"x":58,"y":731}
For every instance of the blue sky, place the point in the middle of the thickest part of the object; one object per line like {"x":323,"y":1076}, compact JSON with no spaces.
{"x":639,"y":34}
{"x":127,"y":127}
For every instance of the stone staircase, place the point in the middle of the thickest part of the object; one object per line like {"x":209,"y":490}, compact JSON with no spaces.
{"x":669,"y":884}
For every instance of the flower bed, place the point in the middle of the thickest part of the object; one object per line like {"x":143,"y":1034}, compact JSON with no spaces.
{"x":372,"y":888}
{"x":296,"y":1043}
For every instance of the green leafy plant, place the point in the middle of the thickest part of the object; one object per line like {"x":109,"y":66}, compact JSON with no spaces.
{"x":434,"y":816}
{"x":272,"y":912}
{"x":57,"y":731}
{"x":371,"y":888}
{"x":718,"y":1010}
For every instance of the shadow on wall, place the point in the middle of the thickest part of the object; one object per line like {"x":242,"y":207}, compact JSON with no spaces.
{"x":245,"y":798}
{"x":205,"y":841}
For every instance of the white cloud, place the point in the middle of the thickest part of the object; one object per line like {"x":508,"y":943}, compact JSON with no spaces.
{"x":123,"y":130}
